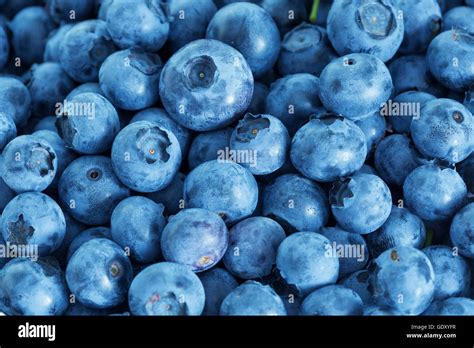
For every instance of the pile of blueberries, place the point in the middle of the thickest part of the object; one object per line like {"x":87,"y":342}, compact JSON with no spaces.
{"x":262,"y":157}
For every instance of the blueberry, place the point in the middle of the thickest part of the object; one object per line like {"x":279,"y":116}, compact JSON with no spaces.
{"x":130,"y":78}
{"x":4,"y":48}
{"x":7,"y":129}
{"x":183,"y":236}
{"x":359,"y":73}
{"x":53,"y":44}
{"x":84,"y":48}
{"x":296,"y":203}
{"x":206,"y":146}
{"x":34,"y":219}
{"x":402,"y":229}
{"x":286,"y":13}
{"x":171,"y":196}
{"x":373,"y":126}
{"x":350,"y":248}
{"x":422,"y":22}
{"x":264,"y":137}
{"x":332,"y":300}
{"x":29,"y":163}
{"x":206,"y":85}
{"x":402,"y":279}
{"x":70,"y":10}
{"x":360,"y":203}
{"x":328,"y":147}
{"x":260,"y":93}
{"x":99,"y":274}
{"x":462,"y":231}
{"x":450,"y":58}
{"x":459,"y":18}
{"x":359,"y":282}
{"x":305,"y":49}
{"x":141,"y":23}
{"x":252,"y":298}
{"x":252,"y":247}
{"x":374,"y":27}
{"x":395,"y":158}
{"x":15,"y":99}
{"x":166,"y":288}
{"x":30,"y":29}
{"x":249,"y":29}
{"x":451,"y":306}
{"x":293,"y":99}
{"x":89,"y":190}
{"x":33,"y":287}
{"x":189,"y":20}
{"x":452,"y":272}
{"x":305,"y":261}
{"x":162,"y":118}
{"x":146,"y":156}
{"x":87,"y":235}
{"x":425,"y":185}
{"x":225,"y":188}
{"x":217,"y":283}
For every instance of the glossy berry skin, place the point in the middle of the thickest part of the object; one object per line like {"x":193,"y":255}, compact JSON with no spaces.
{"x":373,"y":126}
{"x":444,"y":130}
{"x":89,"y":190}
{"x":7,"y":129}
{"x":305,"y":262}
{"x":206,"y":85}
{"x":206,"y":146}
{"x":452,"y":46}
{"x":402,"y":279}
{"x":250,"y":30}
{"x":266,"y":137}
{"x":15,"y":99}
{"x":34,"y":219}
{"x":140,"y":23}
{"x":451,"y":306}
{"x":360,"y":203}
{"x":33,"y":287}
{"x":332,"y":300}
{"x":4,"y":48}
{"x":197,"y":238}
{"x":360,"y":253}
{"x":87,"y":235}
{"x":189,"y":21}
{"x":402,"y":229}
{"x":48,"y":85}
{"x":462,"y":231}
{"x":166,"y":288}
{"x":359,"y":73}
{"x":295,"y":202}
{"x":374,"y":27}
{"x":328,"y":147}
{"x":395,"y":158}
{"x":171,"y":196}
{"x":30,"y":29}
{"x":55,"y":38}
{"x":466,"y":170}
{"x":130,"y":78}
{"x":459,"y":18}
{"x":146,"y":156}
{"x":285,"y":13}
{"x":217,"y":283}
{"x":422,"y":21}
{"x":402,"y":124}
{"x":359,"y":282}
{"x":425,"y":185}
{"x":293,"y":99}
{"x":99,"y":274}
{"x":452,"y":272}
{"x":60,"y":10}
{"x":90,"y":129}
{"x":28,"y":163}
{"x":162,"y":118}
{"x":136,"y":223}
{"x":252,"y":247}
{"x":225,"y":188}
{"x":84,"y":49}
{"x":305,"y":49}
{"x":252,"y":298}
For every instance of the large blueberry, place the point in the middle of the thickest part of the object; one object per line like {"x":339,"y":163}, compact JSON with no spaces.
{"x":89,"y":190}
{"x":166,"y":288}
{"x":130,"y":78}
{"x":332,"y":300}
{"x":462,"y":231}
{"x":360,"y":203}
{"x":146,"y":156}
{"x":358,"y":73}
{"x":296,"y":203}
{"x":223,"y":187}
{"x":99,"y":274}
{"x":206,"y":85}
{"x":34,"y":220}
{"x":217,"y":283}
{"x":459,"y":18}
{"x":328,"y":147}
{"x":249,"y":29}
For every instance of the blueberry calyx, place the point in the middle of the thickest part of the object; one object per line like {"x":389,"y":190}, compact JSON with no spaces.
{"x":249,"y":127}
{"x":94,"y":174}
{"x":458,"y":117}
{"x":340,"y":193}
{"x":152,"y":144}
{"x":200,"y":72}
{"x":20,"y":231}
{"x":376,"y":19}
{"x":41,"y":158}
